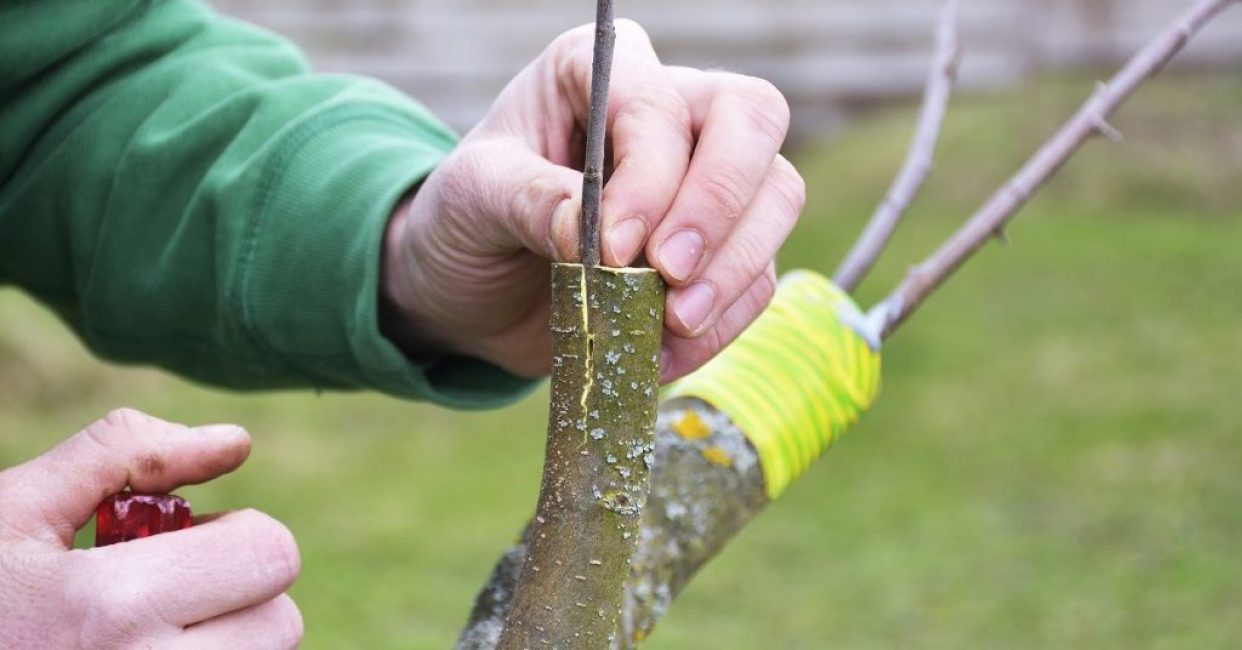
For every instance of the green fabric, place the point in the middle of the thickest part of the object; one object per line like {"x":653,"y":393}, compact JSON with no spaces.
{"x":182,"y":192}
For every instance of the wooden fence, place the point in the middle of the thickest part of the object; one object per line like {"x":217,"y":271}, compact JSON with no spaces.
{"x":826,"y":55}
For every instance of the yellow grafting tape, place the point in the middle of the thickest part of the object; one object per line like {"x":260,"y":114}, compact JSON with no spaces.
{"x":795,"y":380}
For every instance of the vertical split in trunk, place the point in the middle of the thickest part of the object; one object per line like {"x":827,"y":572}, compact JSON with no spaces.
{"x":606,"y":331}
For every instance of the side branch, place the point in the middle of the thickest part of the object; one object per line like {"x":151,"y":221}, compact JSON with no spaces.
{"x":1091,"y":119}
{"x":919,"y":160}
{"x":593,"y":169}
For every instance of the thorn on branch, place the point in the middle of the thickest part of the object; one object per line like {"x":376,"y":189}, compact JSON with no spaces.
{"x":1107,"y":130}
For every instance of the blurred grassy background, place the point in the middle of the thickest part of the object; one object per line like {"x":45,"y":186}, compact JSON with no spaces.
{"x":1056,"y":459}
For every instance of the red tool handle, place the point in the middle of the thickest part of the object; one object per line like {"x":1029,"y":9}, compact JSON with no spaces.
{"x":125,"y":516}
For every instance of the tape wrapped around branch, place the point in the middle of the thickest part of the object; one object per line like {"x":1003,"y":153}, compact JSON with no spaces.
{"x":796,"y":379}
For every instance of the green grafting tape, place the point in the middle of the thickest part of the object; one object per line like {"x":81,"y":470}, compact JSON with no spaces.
{"x":796,"y":379}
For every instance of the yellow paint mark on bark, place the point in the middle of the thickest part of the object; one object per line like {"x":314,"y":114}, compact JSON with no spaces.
{"x":692,"y":427}
{"x":717,"y":456}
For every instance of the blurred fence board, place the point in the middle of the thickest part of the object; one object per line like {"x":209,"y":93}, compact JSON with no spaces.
{"x":826,"y":55}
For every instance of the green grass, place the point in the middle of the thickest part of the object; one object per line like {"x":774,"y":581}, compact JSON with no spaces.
{"x":1056,"y":459}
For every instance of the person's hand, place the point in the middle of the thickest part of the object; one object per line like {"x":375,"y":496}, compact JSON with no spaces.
{"x":699,"y":190}
{"x":218,"y":584}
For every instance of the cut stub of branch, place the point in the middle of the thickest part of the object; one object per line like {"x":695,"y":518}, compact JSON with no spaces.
{"x":729,"y":440}
{"x":606,"y":332}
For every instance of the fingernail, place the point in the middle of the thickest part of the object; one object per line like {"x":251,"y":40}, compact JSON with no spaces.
{"x":693,"y":304}
{"x":625,"y":238}
{"x":563,"y":233}
{"x":224,"y":431}
{"x":679,"y":255}
{"x":666,"y":361}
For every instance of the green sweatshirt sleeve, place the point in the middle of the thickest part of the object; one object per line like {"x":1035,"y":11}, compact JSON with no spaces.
{"x":183,"y":192}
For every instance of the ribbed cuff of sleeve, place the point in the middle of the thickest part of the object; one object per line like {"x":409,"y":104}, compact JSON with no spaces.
{"x":310,"y":274}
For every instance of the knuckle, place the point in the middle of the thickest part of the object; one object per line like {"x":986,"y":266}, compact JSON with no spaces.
{"x":766,"y":288}
{"x":663,"y":103}
{"x":539,"y":197}
{"x":714,"y":340}
{"x":628,"y":28}
{"x":117,"y":423}
{"x":287,"y":622}
{"x":572,"y":44}
{"x":766,"y":106}
{"x":125,"y":417}
{"x":273,"y":545}
{"x":794,"y":188}
{"x":790,"y":186}
{"x":457,"y":177}
{"x":724,"y":191}
{"x":113,"y":613}
{"x":748,"y":259}
{"x":123,"y":425}
{"x":554,"y":234}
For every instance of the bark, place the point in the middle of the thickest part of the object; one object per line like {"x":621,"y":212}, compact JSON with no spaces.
{"x":706,"y":485}
{"x":606,"y":332}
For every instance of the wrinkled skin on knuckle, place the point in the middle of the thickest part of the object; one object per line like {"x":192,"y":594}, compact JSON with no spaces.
{"x":272,"y":545}
{"x":765,"y":107}
{"x":570,"y":55}
{"x":125,"y":428}
{"x":629,"y":111}
{"x":113,"y":612}
{"x":543,"y":195}
{"x":747,"y":262}
{"x":126,"y":419}
{"x":456,"y":182}
{"x":32,"y":588}
{"x":724,"y":192}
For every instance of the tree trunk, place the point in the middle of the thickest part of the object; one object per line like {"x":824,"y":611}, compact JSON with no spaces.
{"x":729,"y":439}
{"x":606,"y":333}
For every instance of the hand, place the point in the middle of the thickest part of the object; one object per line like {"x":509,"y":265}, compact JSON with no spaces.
{"x":699,"y":190}
{"x":219,"y":584}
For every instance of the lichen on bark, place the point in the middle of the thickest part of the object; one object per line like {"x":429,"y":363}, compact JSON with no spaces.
{"x":606,"y":330}
{"x":706,"y":485}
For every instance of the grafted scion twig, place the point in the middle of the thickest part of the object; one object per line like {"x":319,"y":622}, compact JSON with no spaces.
{"x":593,"y":169}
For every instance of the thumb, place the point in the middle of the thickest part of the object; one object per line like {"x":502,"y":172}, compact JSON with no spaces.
{"x":56,"y":493}
{"x":511,"y":198}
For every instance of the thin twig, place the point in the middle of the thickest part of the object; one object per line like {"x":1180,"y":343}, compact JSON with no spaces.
{"x":1090,"y":120}
{"x":593,"y":172}
{"x":919,"y":160}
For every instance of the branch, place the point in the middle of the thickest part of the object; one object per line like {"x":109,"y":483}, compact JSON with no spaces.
{"x":1091,"y":119}
{"x":729,"y":439}
{"x":919,"y":160}
{"x":698,"y":503}
{"x":593,"y":169}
